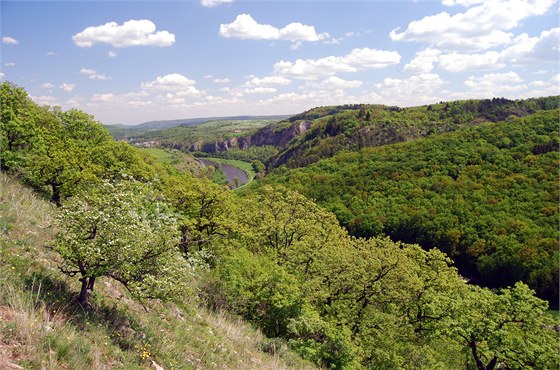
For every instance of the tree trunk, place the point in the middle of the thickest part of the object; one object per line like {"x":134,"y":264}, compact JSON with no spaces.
{"x":84,"y":293}
{"x":479,"y":364}
{"x":56,"y":193}
{"x":185,"y":240}
{"x":91,"y":283}
{"x":492,"y":364}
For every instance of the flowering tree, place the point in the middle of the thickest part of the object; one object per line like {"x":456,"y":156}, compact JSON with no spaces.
{"x":120,"y":230}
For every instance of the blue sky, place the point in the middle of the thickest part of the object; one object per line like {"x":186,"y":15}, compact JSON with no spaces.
{"x":134,"y":61}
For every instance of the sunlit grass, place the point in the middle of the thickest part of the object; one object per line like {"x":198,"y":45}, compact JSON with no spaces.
{"x":42,"y":326}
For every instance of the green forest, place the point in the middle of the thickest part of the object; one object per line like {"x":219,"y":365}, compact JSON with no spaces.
{"x":487,"y":196}
{"x":359,"y":261}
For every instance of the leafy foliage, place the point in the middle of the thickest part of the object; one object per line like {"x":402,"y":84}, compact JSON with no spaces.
{"x":283,"y":262}
{"x":353,"y":127}
{"x":485,"y":195}
{"x":121,"y":231}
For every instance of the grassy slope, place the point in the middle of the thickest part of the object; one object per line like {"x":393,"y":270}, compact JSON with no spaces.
{"x":41,"y":327}
{"x":181,"y":161}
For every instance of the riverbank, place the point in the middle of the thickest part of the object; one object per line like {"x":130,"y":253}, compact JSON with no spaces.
{"x":233,"y":170}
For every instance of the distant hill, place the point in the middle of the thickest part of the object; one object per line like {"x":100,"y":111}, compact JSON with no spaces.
{"x":322,"y":132}
{"x":120,"y":131}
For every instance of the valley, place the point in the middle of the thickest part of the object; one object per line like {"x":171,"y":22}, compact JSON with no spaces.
{"x":344,"y":245}
{"x":234,"y":175}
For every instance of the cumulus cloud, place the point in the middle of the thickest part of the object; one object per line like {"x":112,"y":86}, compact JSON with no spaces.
{"x":50,"y":53}
{"x":47,"y":85}
{"x":130,"y":33}
{"x":111,"y":54}
{"x":457,"y":62}
{"x":357,"y":60}
{"x":339,"y":83}
{"x":44,"y":99}
{"x":2,"y":75}
{"x":419,"y":89}
{"x":9,"y":64}
{"x":495,"y":83}
{"x":213,"y":3}
{"x":93,"y":74}
{"x":267,"y":81}
{"x":9,"y":40}
{"x":532,"y":50}
{"x":221,"y":80}
{"x":259,"y":90}
{"x":246,"y":28}
{"x":423,"y":61}
{"x":102,"y":97}
{"x":480,"y":27}
{"x":173,"y":83}
{"x":67,"y":87}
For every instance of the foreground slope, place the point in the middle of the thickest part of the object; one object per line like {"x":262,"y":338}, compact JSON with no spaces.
{"x":41,"y":327}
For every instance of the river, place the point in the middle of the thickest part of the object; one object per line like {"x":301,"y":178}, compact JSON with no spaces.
{"x":229,"y":171}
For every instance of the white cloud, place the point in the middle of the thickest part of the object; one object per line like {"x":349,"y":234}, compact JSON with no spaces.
{"x":111,"y":54}
{"x":246,"y":28}
{"x":169,"y":82}
{"x":221,"y":80}
{"x":538,"y":83}
{"x":130,"y":33}
{"x":44,"y":99}
{"x":532,"y":50}
{"x":93,"y":74}
{"x":50,"y":53}
{"x":47,"y":85}
{"x":419,"y":88}
{"x":259,"y":90}
{"x":496,"y":83}
{"x":67,"y":87}
{"x":339,"y":83}
{"x":480,"y":27}
{"x":102,"y":97}
{"x":296,"y":45}
{"x":9,"y":64}
{"x":213,"y":3}
{"x":173,"y":83}
{"x":9,"y":40}
{"x":2,"y":75}
{"x":541,"y":72}
{"x":357,"y":60}
{"x":423,"y":61}
{"x":267,"y":81}
{"x":456,"y":62}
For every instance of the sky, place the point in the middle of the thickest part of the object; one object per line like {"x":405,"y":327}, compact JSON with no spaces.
{"x":130,"y":62}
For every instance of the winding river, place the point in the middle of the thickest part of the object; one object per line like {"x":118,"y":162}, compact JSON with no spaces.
{"x":229,"y":171}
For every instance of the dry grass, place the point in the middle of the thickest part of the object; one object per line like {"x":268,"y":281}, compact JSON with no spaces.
{"x":41,"y":327}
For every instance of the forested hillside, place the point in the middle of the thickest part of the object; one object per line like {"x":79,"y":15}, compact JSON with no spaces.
{"x":487,"y":196}
{"x":352,"y":127}
{"x":125,"y":234}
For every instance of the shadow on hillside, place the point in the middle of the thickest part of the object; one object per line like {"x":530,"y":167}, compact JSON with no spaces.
{"x":60,"y":298}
